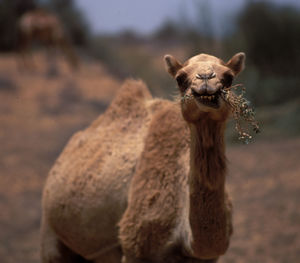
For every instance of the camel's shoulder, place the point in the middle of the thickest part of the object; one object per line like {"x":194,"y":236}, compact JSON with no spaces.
{"x":162,"y":164}
{"x":158,"y":187}
{"x":167,"y":127}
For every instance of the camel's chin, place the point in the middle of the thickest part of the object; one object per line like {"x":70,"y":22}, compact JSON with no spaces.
{"x":196,"y":107}
{"x":216,"y":112}
{"x":208,"y":106}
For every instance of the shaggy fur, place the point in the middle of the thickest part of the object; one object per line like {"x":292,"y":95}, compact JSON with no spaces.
{"x":86,"y":192}
{"x":147,"y":177}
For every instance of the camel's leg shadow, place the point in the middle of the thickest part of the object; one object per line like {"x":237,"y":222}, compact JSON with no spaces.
{"x":54,"y":251}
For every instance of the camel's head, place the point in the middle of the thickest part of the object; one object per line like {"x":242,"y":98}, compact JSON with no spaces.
{"x":201,"y":80}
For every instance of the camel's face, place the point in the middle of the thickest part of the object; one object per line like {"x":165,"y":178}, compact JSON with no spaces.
{"x":201,"y":80}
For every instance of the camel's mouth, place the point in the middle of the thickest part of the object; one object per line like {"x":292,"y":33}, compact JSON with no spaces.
{"x":210,"y":100}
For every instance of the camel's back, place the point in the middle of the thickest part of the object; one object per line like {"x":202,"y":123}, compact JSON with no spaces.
{"x":86,"y":191}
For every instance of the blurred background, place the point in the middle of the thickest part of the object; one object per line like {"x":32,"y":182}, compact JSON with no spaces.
{"x":62,"y":61}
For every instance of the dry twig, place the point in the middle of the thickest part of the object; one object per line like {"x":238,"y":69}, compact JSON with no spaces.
{"x":242,"y":112}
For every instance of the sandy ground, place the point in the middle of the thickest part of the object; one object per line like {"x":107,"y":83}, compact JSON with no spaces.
{"x":41,"y":108}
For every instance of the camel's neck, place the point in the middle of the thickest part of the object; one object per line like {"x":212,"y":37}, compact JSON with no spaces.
{"x":207,"y":179}
{"x":207,"y":155}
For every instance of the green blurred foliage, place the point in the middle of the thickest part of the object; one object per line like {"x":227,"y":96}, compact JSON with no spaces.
{"x":269,"y":35}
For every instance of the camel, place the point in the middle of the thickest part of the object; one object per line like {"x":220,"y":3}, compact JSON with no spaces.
{"x":41,"y":26}
{"x":145,"y":183}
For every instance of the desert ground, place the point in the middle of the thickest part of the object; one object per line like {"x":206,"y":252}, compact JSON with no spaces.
{"x":42,"y":106}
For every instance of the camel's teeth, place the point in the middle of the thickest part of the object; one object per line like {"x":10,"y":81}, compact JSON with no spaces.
{"x":213,"y":97}
{"x":201,"y":97}
{"x":205,"y":97}
{"x":209,"y":97}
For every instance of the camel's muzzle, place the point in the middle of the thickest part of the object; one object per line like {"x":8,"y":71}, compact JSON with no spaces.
{"x":210,"y":100}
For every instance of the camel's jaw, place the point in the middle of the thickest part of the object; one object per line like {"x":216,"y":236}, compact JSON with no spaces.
{"x":208,"y":100}
{"x":194,"y":108}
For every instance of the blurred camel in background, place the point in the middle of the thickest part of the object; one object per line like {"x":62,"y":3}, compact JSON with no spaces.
{"x":45,"y":28}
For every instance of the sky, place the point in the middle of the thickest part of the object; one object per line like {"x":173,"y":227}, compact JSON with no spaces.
{"x":145,"y":17}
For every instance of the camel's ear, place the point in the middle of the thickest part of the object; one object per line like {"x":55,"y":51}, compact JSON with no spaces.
{"x":172,"y":64}
{"x":237,"y":63}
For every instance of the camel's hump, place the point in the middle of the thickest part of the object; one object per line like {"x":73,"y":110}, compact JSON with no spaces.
{"x":129,"y":102}
{"x":129,"y":99}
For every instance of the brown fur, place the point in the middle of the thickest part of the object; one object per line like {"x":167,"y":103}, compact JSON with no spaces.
{"x":44,"y":27}
{"x":154,"y":168}
{"x":178,"y":209}
{"x":155,"y":193}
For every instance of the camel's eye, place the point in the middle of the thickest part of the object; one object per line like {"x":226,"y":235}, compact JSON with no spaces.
{"x":182,"y":81}
{"x":227,"y":80}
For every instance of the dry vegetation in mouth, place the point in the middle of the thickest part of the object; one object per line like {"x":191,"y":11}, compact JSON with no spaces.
{"x":242,"y":112}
